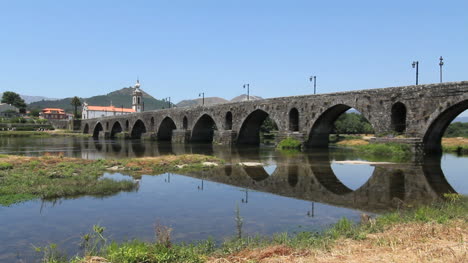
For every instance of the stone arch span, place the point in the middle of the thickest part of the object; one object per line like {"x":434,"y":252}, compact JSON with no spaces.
{"x":203,"y":130}
{"x":116,"y":128}
{"x":249,"y":132}
{"x":323,"y":126}
{"x":138,"y":129}
{"x":97,"y":129}
{"x":433,"y":136}
{"x":165,"y":129}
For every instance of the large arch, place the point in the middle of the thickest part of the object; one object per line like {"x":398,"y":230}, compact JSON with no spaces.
{"x":86,"y":129}
{"x":323,"y":126}
{"x":98,"y":128}
{"x":116,"y":128}
{"x":398,"y":117}
{"x":165,"y":129}
{"x":433,"y":136}
{"x":203,"y":130}
{"x":138,"y":129}
{"x":250,"y":129}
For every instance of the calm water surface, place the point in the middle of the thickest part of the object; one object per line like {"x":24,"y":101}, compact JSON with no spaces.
{"x":305,"y":191}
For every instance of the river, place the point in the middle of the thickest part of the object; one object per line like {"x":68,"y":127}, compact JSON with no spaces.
{"x":285,"y":192}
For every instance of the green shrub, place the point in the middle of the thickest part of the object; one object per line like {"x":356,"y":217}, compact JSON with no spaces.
{"x":288,"y":144}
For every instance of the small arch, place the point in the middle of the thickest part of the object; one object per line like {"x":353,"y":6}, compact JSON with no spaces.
{"x":398,"y":117}
{"x":127,"y":125}
{"x":294,"y":120}
{"x":116,"y":128}
{"x":138,"y":129}
{"x":204,"y":128}
{"x":152,"y":123}
{"x":97,"y":129}
{"x":86,"y":129}
{"x":228,"y":121}
{"x":185,"y":123}
{"x":165,"y":129}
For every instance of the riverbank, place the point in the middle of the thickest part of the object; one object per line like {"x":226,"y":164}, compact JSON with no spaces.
{"x":458,"y":145}
{"x":36,"y":134}
{"x":429,"y":233}
{"x":50,"y":177}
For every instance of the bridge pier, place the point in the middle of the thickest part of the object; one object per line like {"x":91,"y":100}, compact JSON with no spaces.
{"x":122,"y":135}
{"x":180,"y":136}
{"x":150,"y":136}
{"x":104,"y":135}
{"x":225,"y":137}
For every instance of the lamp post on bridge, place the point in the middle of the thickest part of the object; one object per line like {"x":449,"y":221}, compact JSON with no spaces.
{"x":416,"y":65}
{"x":314,"y":78}
{"x":441,"y":63}
{"x":248,"y":90}
{"x":202,"y":94}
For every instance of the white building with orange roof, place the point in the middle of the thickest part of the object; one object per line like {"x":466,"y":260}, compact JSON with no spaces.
{"x":90,"y":112}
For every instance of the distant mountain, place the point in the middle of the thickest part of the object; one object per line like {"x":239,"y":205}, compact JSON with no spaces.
{"x":199,"y":101}
{"x":243,"y":97}
{"x":30,"y":99}
{"x":461,"y":119}
{"x":118,"y":98}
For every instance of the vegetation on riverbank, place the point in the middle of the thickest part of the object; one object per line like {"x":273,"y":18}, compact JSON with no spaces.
{"x":435,"y":232}
{"x":50,"y":177}
{"x":289,"y":144}
{"x":36,"y":134}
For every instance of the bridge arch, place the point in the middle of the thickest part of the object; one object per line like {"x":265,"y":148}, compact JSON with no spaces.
{"x":127,"y":126}
{"x":97,"y":128}
{"x":323,"y":125}
{"x":440,"y":121}
{"x":138,"y":129}
{"x":86,"y":129}
{"x":398,"y":117}
{"x":203,"y":130}
{"x":165,"y":129}
{"x":294,"y":120}
{"x":249,"y":132}
{"x":116,"y":128}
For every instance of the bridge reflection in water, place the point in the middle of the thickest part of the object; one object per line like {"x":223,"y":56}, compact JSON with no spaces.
{"x":306,"y":176}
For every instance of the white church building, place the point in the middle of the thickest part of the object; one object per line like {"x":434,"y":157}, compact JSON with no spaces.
{"x":90,"y":112}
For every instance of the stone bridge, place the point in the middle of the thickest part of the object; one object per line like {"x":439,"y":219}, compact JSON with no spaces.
{"x":421,"y":113}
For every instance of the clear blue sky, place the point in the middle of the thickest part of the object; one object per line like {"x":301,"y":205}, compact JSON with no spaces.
{"x":181,"y":48}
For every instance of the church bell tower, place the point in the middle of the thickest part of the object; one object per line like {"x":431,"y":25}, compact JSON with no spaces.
{"x":137,"y":100}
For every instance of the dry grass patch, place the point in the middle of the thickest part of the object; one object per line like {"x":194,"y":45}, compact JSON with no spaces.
{"x":353,"y":142}
{"x":457,"y":141}
{"x":410,"y":242}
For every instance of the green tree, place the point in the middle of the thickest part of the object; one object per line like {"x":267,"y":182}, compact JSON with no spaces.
{"x":14,"y":99}
{"x":75,"y":102}
{"x":34,"y":112}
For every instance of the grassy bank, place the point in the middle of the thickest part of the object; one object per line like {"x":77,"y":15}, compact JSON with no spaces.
{"x":437,"y":232}
{"x":40,"y":134}
{"x":49,"y":177}
{"x":374,"y":151}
